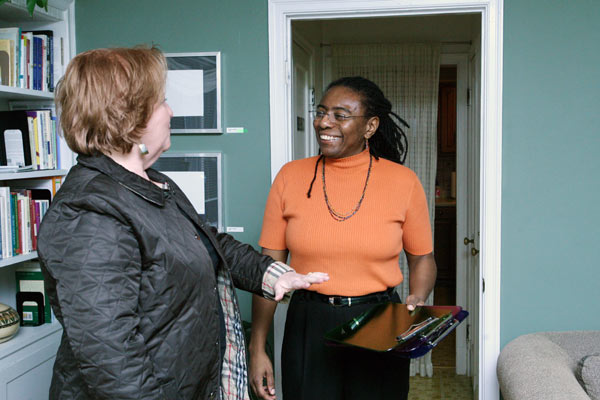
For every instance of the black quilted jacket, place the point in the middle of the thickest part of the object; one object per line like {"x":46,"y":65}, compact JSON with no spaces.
{"x":134,"y":288}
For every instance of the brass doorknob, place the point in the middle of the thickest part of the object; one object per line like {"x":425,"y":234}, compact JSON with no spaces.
{"x":474,"y":251}
{"x":467,"y":241}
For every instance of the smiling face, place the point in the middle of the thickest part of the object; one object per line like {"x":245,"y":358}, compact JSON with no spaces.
{"x":339,"y":137}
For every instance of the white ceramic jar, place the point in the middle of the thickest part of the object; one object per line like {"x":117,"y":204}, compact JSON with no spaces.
{"x":9,"y":322}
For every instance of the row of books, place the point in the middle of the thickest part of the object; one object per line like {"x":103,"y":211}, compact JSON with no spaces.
{"x":21,"y":212}
{"x":28,"y":138}
{"x":27,"y":59}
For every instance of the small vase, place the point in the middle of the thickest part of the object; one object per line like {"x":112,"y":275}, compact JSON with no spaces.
{"x":9,"y":322}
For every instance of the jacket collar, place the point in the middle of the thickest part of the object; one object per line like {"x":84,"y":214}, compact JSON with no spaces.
{"x":126,"y":178}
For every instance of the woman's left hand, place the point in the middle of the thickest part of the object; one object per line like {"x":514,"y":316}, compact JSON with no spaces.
{"x":413,"y":301}
{"x":292,"y":281}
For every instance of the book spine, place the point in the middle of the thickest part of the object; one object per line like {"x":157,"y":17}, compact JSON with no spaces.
{"x":38,"y":159}
{"x":33,"y":63}
{"x":32,"y":150}
{"x":40,"y":140}
{"x":48,"y":138}
{"x":38,"y":221}
{"x":6,"y":231}
{"x":45,"y":63}
{"x":26,"y":225}
{"x":55,"y":142}
{"x":22,"y":229}
{"x":32,"y":227}
{"x":14,"y":222}
{"x":30,"y":62}
{"x":22,"y":63}
{"x":38,"y":63}
{"x":2,"y":212}
{"x":17,"y":57}
{"x":51,"y":63}
{"x":56,"y":183}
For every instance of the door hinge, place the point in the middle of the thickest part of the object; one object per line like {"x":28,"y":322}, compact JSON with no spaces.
{"x":482,"y":285}
{"x":312,"y":97}
{"x":468,"y":97}
{"x":468,"y":333}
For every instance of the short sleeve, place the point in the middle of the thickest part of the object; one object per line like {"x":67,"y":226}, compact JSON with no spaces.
{"x":274,"y":222}
{"x":416,"y":237}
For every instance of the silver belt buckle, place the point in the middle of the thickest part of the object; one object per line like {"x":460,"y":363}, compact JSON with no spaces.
{"x":333,"y":302}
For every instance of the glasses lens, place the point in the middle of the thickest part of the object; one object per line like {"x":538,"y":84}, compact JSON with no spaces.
{"x":340,"y":117}
{"x":318,"y":114}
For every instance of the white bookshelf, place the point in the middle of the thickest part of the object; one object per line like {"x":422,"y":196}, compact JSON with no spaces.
{"x":26,"y":336}
{"x":8,"y":261}
{"x":46,"y":173}
{"x":16,"y":11}
{"x":15,"y":93}
{"x":27,"y":359}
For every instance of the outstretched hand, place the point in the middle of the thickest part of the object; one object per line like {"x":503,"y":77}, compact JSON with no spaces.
{"x":293,"y":281}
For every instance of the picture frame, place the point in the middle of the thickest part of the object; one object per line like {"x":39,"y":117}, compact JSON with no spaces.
{"x":186,"y":169}
{"x":194,"y":92}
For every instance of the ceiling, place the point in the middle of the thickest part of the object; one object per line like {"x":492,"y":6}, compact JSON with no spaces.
{"x":432,"y":28}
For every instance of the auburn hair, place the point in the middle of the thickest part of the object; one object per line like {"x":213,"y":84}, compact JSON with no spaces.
{"x":107,"y":96}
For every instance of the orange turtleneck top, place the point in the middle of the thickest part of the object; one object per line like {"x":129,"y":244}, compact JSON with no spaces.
{"x":361,"y":253}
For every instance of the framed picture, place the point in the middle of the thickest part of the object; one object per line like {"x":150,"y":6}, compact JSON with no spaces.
{"x":199,"y":177}
{"x":194,"y":92}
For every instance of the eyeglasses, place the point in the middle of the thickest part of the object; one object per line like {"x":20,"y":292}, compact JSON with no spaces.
{"x":337,"y":116}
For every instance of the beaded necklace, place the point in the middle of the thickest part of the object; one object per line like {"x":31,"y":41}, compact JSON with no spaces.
{"x":336,"y":215}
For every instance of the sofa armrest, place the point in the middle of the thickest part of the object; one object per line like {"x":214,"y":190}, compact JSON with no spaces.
{"x":534,"y":367}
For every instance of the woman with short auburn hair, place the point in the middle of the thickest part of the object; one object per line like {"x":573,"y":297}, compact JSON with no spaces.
{"x":143,"y":288}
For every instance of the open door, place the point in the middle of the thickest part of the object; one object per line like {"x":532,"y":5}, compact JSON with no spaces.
{"x":468,"y":222}
{"x":471,"y":241}
{"x":302,"y":101}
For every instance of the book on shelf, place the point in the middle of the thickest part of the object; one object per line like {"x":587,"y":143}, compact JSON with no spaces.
{"x":38,"y":58}
{"x":14,"y":139}
{"x":28,"y":138}
{"x":27,"y":58}
{"x":23,"y":206}
{"x":5,"y":225}
{"x":6,"y":64}
{"x":13,"y":34}
{"x":47,"y":58}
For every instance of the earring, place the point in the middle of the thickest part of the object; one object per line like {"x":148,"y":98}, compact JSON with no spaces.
{"x":143,"y":149}
{"x":367,"y":143}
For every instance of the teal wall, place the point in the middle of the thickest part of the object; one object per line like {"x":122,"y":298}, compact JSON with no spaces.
{"x":551,"y":153}
{"x":551,"y":136}
{"x":238,"y":29}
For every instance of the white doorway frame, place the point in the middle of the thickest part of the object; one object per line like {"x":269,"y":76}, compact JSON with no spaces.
{"x":282,"y":12}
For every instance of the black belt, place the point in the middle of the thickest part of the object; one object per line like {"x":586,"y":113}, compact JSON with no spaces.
{"x":343,"y":301}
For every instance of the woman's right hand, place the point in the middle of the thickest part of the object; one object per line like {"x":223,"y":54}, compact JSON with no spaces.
{"x":261,"y":369}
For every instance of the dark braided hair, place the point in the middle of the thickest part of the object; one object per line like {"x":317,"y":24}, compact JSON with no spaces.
{"x":389,"y":140}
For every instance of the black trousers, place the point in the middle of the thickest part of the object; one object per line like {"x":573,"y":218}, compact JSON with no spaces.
{"x":312,"y":370}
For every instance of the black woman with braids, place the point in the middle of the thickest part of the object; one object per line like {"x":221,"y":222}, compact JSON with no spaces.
{"x":348,"y":212}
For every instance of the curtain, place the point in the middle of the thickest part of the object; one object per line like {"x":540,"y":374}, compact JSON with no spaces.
{"x":408,"y":75}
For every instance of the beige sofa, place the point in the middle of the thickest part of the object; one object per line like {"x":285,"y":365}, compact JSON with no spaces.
{"x":551,"y":366}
